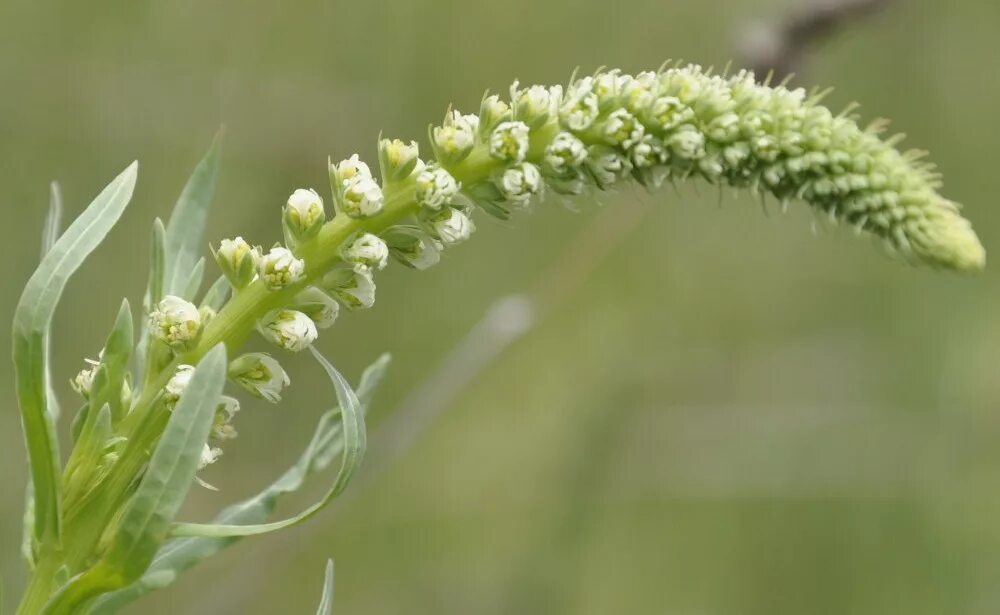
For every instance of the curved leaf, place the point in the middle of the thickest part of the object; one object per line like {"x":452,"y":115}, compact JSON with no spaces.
{"x":31,"y":329}
{"x":355,"y":441}
{"x":326,"y":602}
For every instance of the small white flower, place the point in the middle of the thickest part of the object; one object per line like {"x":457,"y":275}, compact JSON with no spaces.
{"x":669,"y":112}
{"x":454,"y":140}
{"x":565,"y":153}
{"x":238,"y":261}
{"x":260,"y":374}
{"x":355,"y":287}
{"x":638,"y":92}
{"x":520,"y":182}
{"x":509,"y":141}
{"x":317,"y":305}
{"x":452,"y":226}
{"x":435,"y":187}
{"x":412,"y":247}
{"x":492,"y":111}
{"x":289,"y":329}
{"x":83,"y":382}
{"x":351,"y":170}
{"x":580,"y":106}
{"x":687,"y":142}
{"x":607,"y":165}
{"x":363,"y":198}
{"x":177,"y":383}
{"x":304,"y":213}
{"x":209,"y":455}
{"x":368,"y":250}
{"x":532,"y":105}
{"x":225,"y":412}
{"x":648,"y":152}
{"x":175,"y":321}
{"x":279,"y":268}
{"x":398,"y":158}
{"x":623,"y":129}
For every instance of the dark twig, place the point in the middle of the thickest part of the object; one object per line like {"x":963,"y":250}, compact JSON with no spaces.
{"x":781,"y":47}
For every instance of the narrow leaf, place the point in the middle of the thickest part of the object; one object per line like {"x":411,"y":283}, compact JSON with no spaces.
{"x":53,"y":220}
{"x":355,"y":441}
{"x":217,"y":294}
{"x":32,"y":320}
{"x":326,"y":602}
{"x":186,"y":228}
{"x":194,"y":280}
{"x":180,"y":554}
{"x":157,"y":258}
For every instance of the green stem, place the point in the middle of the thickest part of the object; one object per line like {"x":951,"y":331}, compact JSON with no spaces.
{"x":41,"y":584}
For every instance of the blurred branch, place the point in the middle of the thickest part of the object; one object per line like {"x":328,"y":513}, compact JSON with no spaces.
{"x":781,"y":47}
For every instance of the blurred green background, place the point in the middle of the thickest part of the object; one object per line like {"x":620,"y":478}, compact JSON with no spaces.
{"x":727,"y":415}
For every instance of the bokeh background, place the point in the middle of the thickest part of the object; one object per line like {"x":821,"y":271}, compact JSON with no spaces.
{"x":722,"y":413}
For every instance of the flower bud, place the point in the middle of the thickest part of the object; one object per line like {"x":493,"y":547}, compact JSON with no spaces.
{"x":622,"y":129}
{"x":369,"y":251}
{"x":509,"y":141}
{"x":492,"y":111}
{"x":177,"y":383}
{"x":176,"y":322}
{"x":565,"y":154}
{"x":412,"y":247}
{"x":648,"y":152}
{"x":279,"y":268}
{"x":238,"y":261}
{"x":580,"y":106}
{"x":454,"y":140}
{"x":362,"y":198}
{"x":435,"y":187}
{"x":317,"y":305}
{"x":83,"y":382}
{"x":668,"y":112}
{"x":397,"y":159}
{"x":304,"y":214}
{"x":452,"y":226}
{"x":520,"y":182}
{"x":351,"y":170}
{"x":259,"y":374}
{"x":687,"y":142}
{"x":291,"y":330}
{"x":531,"y":105}
{"x":222,"y":428}
{"x":355,"y":288}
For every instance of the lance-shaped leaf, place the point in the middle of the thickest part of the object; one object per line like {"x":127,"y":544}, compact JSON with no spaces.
{"x":32,"y":320}
{"x":355,"y":441}
{"x":326,"y":602}
{"x":145,"y":521}
{"x":180,"y":554}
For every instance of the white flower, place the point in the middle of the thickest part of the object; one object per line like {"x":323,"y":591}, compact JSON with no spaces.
{"x":452,"y":226}
{"x":304,"y":213}
{"x":317,"y":305}
{"x":580,"y":106}
{"x":398,"y":158}
{"x":222,"y":428}
{"x":177,"y":383}
{"x":355,"y":287}
{"x":175,"y":321}
{"x":289,"y":329}
{"x":238,"y":261}
{"x":260,"y":374}
{"x":687,"y":142}
{"x":648,"y":152}
{"x":368,"y":250}
{"x":279,"y":268}
{"x":492,"y":111}
{"x":532,"y":105}
{"x":454,"y":140}
{"x":362,"y":198}
{"x":669,"y":112}
{"x":623,"y":129}
{"x":209,"y":455}
{"x":83,"y":382}
{"x":412,"y":247}
{"x":607,"y":165}
{"x":637,"y":93}
{"x":351,"y":170}
{"x":565,"y":153}
{"x":435,"y":187}
{"x":520,"y":182}
{"x":509,"y":141}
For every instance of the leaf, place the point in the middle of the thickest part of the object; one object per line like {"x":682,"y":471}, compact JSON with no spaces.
{"x":146,"y":518}
{"x":193,"y":284}
{"x":117,"y":352}
{"x":50,"y":232}
{"x":180,"y":554}
{"x":326,"y":602}
{"x":32,"y":320}
{"x":355,"y":441}
{"x":186,"y":228}
{"x":217,"y":294}
{"x":157,"y":258}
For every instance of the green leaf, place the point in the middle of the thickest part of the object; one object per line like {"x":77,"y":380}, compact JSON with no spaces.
{"x":194,"y":281}
{"x":157,"y":258}
{"x":180,"y":554}
{"x":146,"y":518}
{"x":50,"y":232}
{"x":217,"y":294}
{"x":326,"y":602}
{"x":32,"y":320}
{"x":355,"y":441}
{"x":186,"y":228}
{"x":117,"y":352}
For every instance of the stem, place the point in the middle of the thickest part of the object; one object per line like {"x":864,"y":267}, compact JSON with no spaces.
{"x":40,"y":586}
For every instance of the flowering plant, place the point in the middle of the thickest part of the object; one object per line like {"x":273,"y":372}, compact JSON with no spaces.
{"x":101,"y":528}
